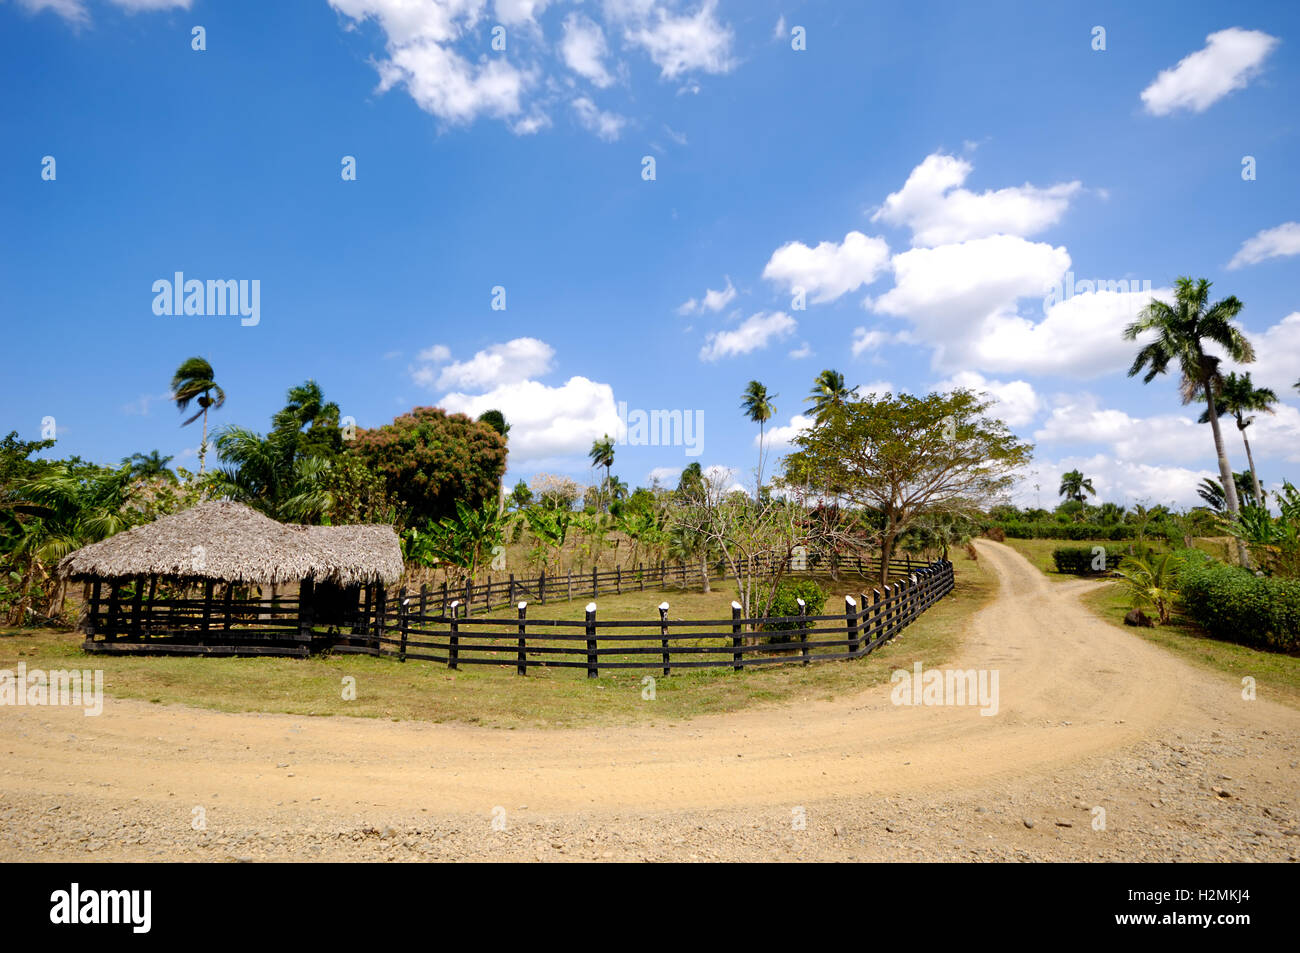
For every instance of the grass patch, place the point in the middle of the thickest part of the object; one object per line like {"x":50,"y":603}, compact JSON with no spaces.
{"x":1277,"y":676}
{"x":425,"y":691}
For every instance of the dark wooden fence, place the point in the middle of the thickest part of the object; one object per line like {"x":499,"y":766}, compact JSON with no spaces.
{"x":438,"y":627}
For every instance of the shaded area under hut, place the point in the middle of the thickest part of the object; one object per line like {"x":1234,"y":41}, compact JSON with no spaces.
{"x":222,"y":579}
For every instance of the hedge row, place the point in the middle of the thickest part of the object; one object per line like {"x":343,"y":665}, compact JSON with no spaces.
{"x":1108,"y":531}
{"x":1083,"y":561}
{"x":1235,"y":605}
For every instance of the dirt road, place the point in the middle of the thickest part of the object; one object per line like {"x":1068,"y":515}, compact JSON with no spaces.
{"x":1103,"y":746}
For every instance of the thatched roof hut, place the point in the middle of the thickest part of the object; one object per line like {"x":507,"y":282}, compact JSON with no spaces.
{"x":229,"y":542}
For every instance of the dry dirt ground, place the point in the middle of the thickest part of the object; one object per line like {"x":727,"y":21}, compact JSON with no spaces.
{"x":1090,"y":717}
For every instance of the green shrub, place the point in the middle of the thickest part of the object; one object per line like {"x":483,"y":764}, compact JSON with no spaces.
{"x":786,"y":604}
{"x":1235,"y":605}
{"x":1078,"y":560}
{"x":1111,"y":531}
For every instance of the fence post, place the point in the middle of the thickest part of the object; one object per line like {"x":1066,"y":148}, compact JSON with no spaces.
{"x":803,"y":626}
{"x":469,"y":596}
{"x":512,"y":587}
{"x":618,"y":579}
{"x":593,"y":666}
{"x":306,"y":590}
{"x":521,"y":664}
{"x":594,"y":584}
{"x":874,"y":632}
{"x":568,"y":586}
{"x":424,"y":598}
{"x":663,"y":634}
{"x":851,"y":622}
{"x":93,"y":618}
{"x":444,"y":598}
{"x":381,"y":614}
{"x":207,"y":608}
{"x":487,"y":595}
{"x":541,"y":586}
{"x":137,"y":605}
{"x":402,"y":603}
{"x":737,"y":660}
{"x":640,"y":575}
{"x":453,"y":636}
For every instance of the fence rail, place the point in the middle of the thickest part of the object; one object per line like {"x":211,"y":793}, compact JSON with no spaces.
{"x":420,"y":626}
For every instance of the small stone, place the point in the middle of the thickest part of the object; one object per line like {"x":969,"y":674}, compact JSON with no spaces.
{"x":1028,"y":823}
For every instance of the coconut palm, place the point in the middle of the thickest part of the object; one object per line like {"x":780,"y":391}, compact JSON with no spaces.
{"x":602,"y":455}
{"x":1182,"y":331}
{"x":828,"y":391}
{"x":757,"y":404}
{"x":266,"y":474}
{"x":1074,"y":485}
{"x":1238,"y":397}
{"x":149,"y":466}
{"x":1150,"y":582}
{"x":194,"y":381}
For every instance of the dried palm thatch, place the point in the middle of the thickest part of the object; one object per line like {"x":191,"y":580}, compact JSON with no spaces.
{"x":229,"y":542}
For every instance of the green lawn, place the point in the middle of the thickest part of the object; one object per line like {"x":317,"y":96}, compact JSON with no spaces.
{"x":428,"y":691}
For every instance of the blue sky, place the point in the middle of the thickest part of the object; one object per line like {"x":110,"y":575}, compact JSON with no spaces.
{"x":926,"y":174}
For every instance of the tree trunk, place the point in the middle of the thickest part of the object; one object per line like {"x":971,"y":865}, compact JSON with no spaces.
{"x":886,"y":552}
{"x":704,"y":570}
{"x":1250,"y":458}
{"x":203,"y":447}
{"x":1225,"y":469}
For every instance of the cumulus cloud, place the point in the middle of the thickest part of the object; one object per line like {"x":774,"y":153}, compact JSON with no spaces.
{"x":499,"y":364}
{"x":1118,"y":481}
{"x":829,"y":270}
{"x":606,"y":125}
{"x":584,"y":49}
{"x":754,"y":333}
{"x":545,"y":421}
{"x":713,"y":301}
{"x":1277,"y":356}
{"x":664,"y":476}
{"x":680,"y":43}
{"x":1013,"y":401}
{"x":1229,"y":60}
{"x":781,"y":437}
{"x":938,"y":211}
{"x":864,"y":341}
{"x":1279,"y":242}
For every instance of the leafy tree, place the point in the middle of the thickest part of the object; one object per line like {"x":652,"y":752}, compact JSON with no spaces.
{"x":829,"y":390}
{"x":464,"y":541}
{"x":1239,"y":398}
{"x":691,"y":482}
{"x":1074,"y":485}
{"x":306,"y":406}
{"x":909,"y":456}
{"x":521,"y":495}
{"x":496,"y":420}
{"x":757,"y":404}
{"x":429,"y":459}
{"x":1182,"y":332}
{"x":195,"y":382}
{"x":266,"y":473}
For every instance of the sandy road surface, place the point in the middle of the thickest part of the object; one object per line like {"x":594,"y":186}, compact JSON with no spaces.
{"x":1089,"y":717}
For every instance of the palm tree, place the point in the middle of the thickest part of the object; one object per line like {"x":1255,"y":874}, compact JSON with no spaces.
{"x":1238,"y":397}
{"x":266,"y":474}
{"x":1181,"y":332}
{"x":148,"y":466}
{"x":194,"y":381}
{"x":828,"y":391}
{"x":1074,"y":485}
{"x":602,"y":455}
{"x":757,"y":404}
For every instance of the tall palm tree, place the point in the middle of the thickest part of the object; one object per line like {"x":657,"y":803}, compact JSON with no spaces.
{"x":267,"y":474}
{"x":757,"y":404}
{"x":1074,"y":485}
{"x":194,"y":381}
{"x":602,"y":455}
{"x":1238,"y":397}
{"x":828,"y":391}
{"x":1181,"y":332}
{"x":148,"y":466}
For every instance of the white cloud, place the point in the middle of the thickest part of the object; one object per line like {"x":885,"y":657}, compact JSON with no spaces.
{"x":1229,"y":60}
{"x":1013,"y":401}
{"x":879,"y":388}
{"x":938,"y":211}
{"x":606,"y":125}
{"x":682,"y":44}
{"x":756,"y":332}
{"x":545,"y":421}
{"x":77,"y":13}
{"x":829,"y":270}
{"x":802,"y":351}
{"x":864,"y":340}
{"x":1080,"y":337}
{"x":1116,"y":481}
{"x":1276,"y":242}
{"x":135,"y":6}
{"x":515,"y":12}
{"x":664,"y":476}
{"x":584,"y":50}
{"x":1277,"y":356}
{"x":713,"y":301}
{"x":779,"y":32}
{"x":437,"y":354}
{"x":507,"y":363}
{"x":777,"y":438}
{"x":1162,"y":437}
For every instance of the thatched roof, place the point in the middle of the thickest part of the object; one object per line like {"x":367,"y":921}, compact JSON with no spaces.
{"x":229,"y":542}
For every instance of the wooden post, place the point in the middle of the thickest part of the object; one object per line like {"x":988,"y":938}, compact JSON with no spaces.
{"x":851,"y":622}
{"x":737,"y":659}
{"x":424,"y":599}
{"x":594,"y":583}
{"x":511,"y":590}
{"x":469,"y":596}
{"x":453,"y":638}
{"x":137,"y":605}
{"x":640,"y":575}
{"x":402,"y":603}
{"x":228,"y":606}
{"x":803,"y":625}
{"x":207,"y":610}
{"x":93,"y":620}
{"x":593,"y":664}
{"x":444,"y":598}
{"x":487,"y":595}
{"x":663,"y":635}
{"x":148,"y":604}
{"x":365,"y":613}
{"x":541,"y":586}
{"x":568,"y":586}
{"x":521,"y":663}
{"x":114,"y":608}
{"x":306,"y":594}
{"x":618,"y":579}
{"x":381,"y":614}
{"x":874,"y":632}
